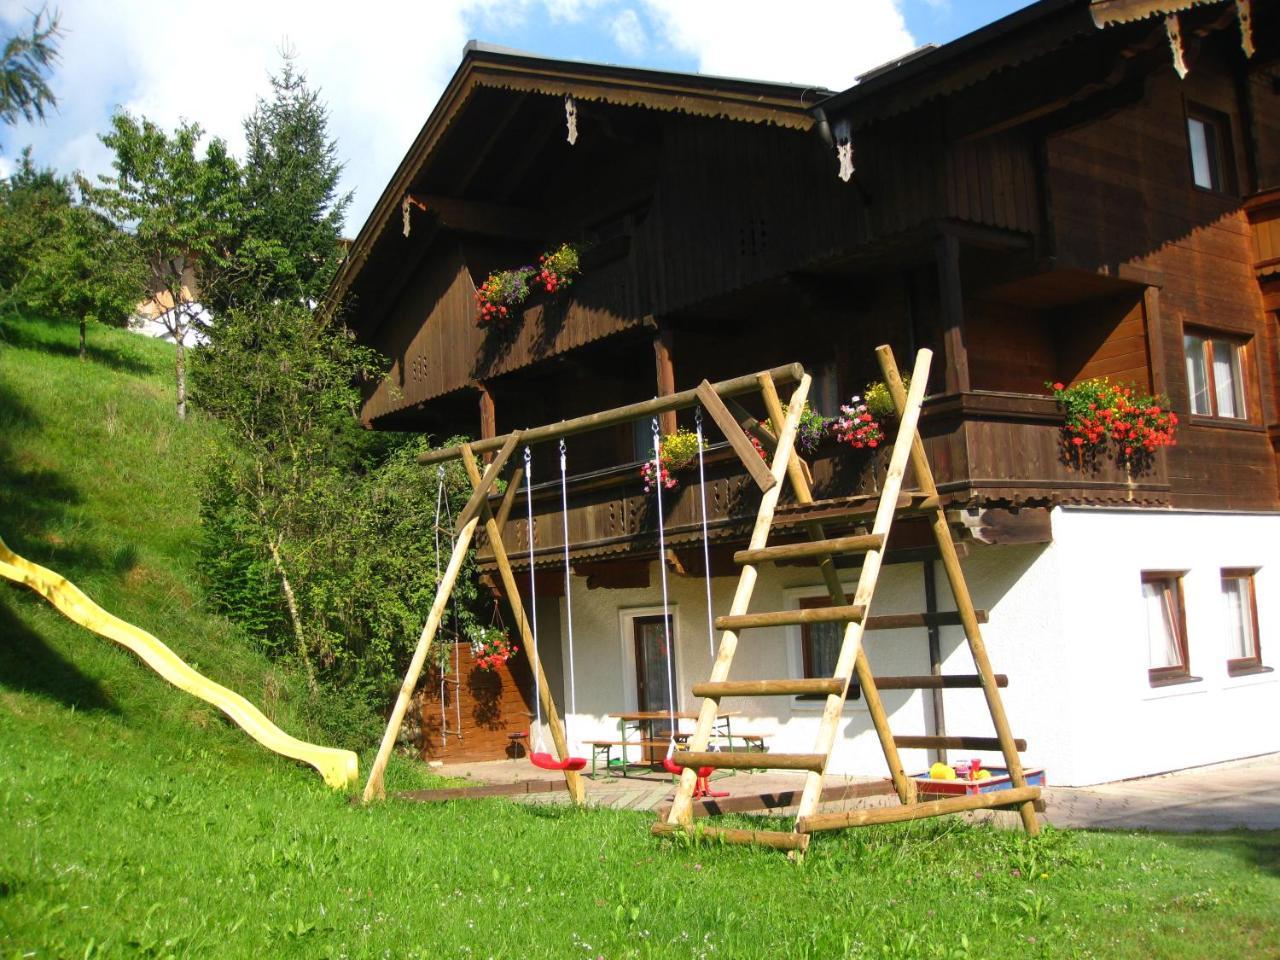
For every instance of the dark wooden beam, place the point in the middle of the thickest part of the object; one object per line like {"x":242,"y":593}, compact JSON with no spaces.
{"x":488,"y":419}
{"x":491,"y":219}
{"x":951,"y":304}
{"x":666,"y":375}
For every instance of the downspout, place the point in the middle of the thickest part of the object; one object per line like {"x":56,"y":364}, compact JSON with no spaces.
{"x":935,"y":657}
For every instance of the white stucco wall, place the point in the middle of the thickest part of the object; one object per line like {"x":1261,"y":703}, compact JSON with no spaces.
{"x":1066,"y":624}
{"x":1120,"y":726}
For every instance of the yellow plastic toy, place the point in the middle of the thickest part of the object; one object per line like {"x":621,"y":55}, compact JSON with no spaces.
{"x":338,"y":767}
{"x":942,"y":771}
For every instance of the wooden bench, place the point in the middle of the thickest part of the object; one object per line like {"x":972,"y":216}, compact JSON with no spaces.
{"x":606,"y":748}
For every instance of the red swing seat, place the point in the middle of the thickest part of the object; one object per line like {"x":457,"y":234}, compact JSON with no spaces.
{"x":548,"y":762}
{"x":675,"y":769}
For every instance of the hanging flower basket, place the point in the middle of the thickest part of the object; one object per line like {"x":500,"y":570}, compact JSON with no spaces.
{"x":1102,"y":416}
{"x":558,"y":268}
{"x":499,"y":297}
{"x":811,"y":431}
{"x":490,"y":647}
{"x":679,"y":450}
{"x":857,"y":426}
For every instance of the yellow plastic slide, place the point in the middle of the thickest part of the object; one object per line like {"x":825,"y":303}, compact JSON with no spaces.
{"x":338,"y":767}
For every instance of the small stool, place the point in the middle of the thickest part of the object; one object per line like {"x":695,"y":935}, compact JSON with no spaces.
{"x":517,"y":742}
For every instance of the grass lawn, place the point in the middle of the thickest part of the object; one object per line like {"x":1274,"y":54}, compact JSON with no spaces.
{"x":136,"y":822}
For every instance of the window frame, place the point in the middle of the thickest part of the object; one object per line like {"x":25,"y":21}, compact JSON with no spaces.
{"x":1219,"y":144}
{"x":1237,"y":666}
{"x":1242,"y":343}
{"x":1179,"y":673}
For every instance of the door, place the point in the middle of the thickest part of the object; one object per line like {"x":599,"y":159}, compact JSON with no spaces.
{"x":652,"y":689}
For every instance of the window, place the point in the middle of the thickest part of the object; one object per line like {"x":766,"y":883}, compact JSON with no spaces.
{"x":1215,"y":375}
{"x":1243,"y":653}
{"x":820,"y":642}
{"x":1166,"y":628}
{"x":1209,"y":141}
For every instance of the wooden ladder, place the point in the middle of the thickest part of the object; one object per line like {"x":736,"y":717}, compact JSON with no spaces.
{"x":851,"y":661}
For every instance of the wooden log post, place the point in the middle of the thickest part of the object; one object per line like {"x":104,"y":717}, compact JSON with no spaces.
{"x":573,"y":779}
{"x":803,"y":492}
{"x":964,"y":602}
{"x":682,"y":806}
{"x":376,"y":788}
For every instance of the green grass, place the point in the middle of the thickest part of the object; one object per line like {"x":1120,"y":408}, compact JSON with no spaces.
{"x":136,"y":822}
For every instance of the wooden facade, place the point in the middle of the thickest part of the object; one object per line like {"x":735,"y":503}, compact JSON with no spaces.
{"x":1023,"y":202}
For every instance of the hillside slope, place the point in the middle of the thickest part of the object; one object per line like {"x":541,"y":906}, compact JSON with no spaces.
{"x":98,"y":482}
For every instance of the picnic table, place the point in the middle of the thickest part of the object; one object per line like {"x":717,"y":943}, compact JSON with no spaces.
{"x":651,"y":730}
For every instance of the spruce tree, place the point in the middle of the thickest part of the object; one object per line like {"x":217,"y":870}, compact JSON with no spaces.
{"x":291,"y":242}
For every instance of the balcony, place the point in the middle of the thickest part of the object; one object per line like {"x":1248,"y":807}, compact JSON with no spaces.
{"x":987,"y":449}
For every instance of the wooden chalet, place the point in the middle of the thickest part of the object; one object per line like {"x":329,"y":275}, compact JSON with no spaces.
{"x":1080,"y":189}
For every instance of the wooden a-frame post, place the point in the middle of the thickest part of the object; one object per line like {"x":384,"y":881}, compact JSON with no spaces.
{"x":478,"y":512}
{"x":964,"y":602}
{"x":800,"y":488}
{"x":572,"y":778}
{"x":376,"y":787}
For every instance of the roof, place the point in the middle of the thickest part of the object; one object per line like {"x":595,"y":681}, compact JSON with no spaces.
{"x":486,"y":65}
{"x":1107,"y":12}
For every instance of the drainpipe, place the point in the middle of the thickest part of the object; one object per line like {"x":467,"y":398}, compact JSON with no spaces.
{"x":935,"y":657}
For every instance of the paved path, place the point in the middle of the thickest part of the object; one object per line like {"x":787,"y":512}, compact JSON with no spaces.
{"x":1243,"y":793}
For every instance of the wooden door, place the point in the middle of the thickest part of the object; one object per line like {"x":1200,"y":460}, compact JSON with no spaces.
{"x":653,"y":693}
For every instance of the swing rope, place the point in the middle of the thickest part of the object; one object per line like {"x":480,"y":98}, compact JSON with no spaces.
{"x":568,"y":605}
{"x":539,"y":747}
{"x":539,"y":757}
{"x":668,"y":763}
{"x":706,"y":540}
{"x":453,"y":607}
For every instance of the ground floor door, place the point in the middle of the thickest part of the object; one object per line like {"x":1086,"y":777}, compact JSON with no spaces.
{"x":653,"y":691}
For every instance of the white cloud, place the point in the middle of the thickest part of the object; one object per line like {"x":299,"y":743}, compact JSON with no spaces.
{"x":381,"y":66}
{"x":629,"y":33}
{"x":826,"y":42}
{"x":380,"y":71}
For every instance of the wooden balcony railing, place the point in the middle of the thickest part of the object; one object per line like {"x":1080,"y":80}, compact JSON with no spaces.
{"x":995,"y":448}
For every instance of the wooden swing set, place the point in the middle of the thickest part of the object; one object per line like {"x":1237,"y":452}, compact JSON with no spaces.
{"x":806,"y":516}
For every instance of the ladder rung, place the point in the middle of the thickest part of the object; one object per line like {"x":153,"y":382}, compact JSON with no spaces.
{"x":929,"y":682}
{"x":750,"y":760}
{"x":955,"y":743}
{"x":785,"y":618}
{"x":916,"y":811}
{"x":778,"y":839}
{"x":848,"y":508}
{"x":768,"y":688}
{"x":903,"y":621}
{"x":814,"y":548}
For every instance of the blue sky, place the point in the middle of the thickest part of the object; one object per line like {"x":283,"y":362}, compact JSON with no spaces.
{"x":381,"y":66}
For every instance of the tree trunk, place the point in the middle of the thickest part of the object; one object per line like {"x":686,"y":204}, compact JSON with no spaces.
{"x":181,"y":362}
{"x":82,"y":338}
{"x":292,"y":603}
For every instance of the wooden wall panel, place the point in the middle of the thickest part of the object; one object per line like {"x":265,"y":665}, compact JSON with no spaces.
{"x":1123,"y":198}
{"x":495,"y":704}
{"x":1010,"y":348}
{"x":1103,"y":339}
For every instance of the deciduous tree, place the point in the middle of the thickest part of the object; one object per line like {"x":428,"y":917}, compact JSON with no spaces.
{"x":184,"y":210}
{"x":26,"y":61}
